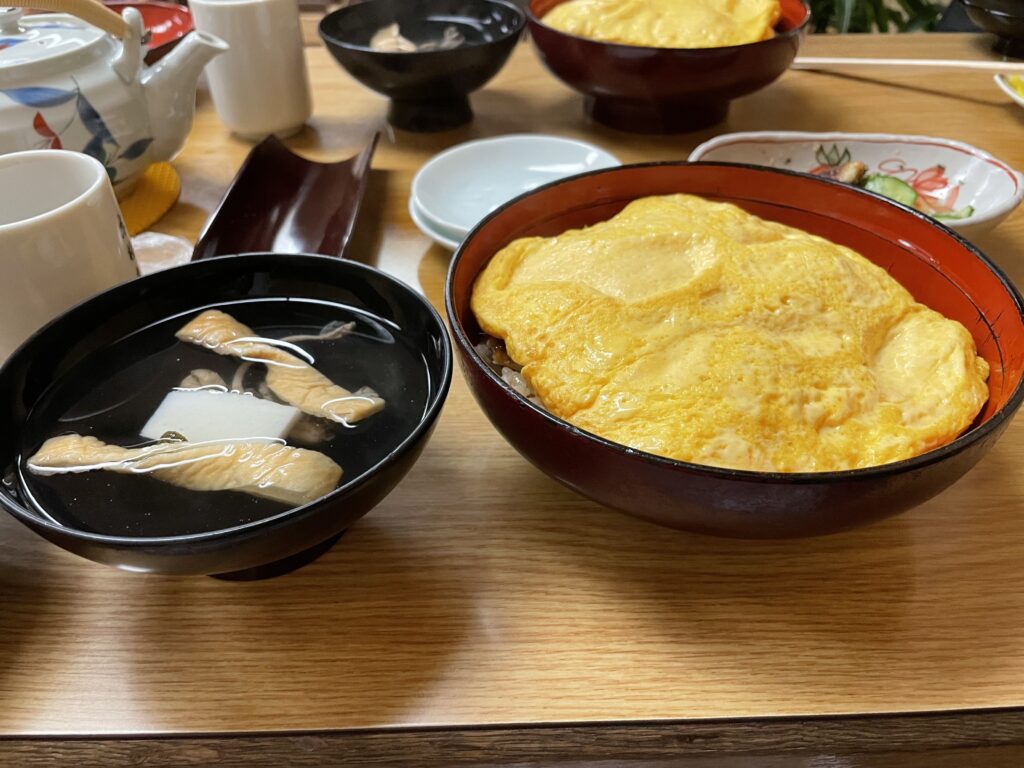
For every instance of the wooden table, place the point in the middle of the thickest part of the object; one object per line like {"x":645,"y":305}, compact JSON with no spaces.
{"x":484,"y":614}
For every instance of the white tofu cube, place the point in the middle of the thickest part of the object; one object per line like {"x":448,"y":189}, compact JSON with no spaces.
{"x":201,"y":414}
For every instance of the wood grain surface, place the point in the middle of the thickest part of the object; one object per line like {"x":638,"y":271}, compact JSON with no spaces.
{"x":481,"y":592}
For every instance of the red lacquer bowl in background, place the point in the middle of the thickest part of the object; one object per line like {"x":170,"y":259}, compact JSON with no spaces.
{"x":664,"y":90}
{"x":938,"y":267}
{"x":167,"y":24}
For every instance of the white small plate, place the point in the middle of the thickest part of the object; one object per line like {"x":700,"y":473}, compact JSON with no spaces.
{"x":1008,"y":89}
{"x":417,"y":219}
{"x":946,"y":175}
{"x":452,"y":234}
{"x":155,"y":252}
{"x":461,"y":185}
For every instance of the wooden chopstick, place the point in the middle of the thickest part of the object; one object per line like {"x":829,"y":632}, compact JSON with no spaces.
{"x":91,"y":11}
{"x":827,"y":62}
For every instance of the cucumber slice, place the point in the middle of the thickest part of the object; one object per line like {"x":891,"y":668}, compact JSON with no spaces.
{"x":891,"y":187}
{"x":963,"y":213}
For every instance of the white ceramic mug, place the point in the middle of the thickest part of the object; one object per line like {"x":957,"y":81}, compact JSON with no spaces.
{"x":62,"y":239}
{"x":259,"y":86}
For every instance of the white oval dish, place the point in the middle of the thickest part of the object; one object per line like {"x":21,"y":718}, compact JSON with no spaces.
{"x":458,"y":187}
{"x":1008,"y":89}
{"x":948,"y":176}
{"x":417,"y":218}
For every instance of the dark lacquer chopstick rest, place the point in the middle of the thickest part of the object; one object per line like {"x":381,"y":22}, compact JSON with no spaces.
{"x":282,"y":202}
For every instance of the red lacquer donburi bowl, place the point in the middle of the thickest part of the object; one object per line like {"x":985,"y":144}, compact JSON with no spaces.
{"x":938,"y":267}
{"x":664,"y":90}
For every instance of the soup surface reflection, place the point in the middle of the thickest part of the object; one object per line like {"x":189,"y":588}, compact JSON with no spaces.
{"x":112,"y":394}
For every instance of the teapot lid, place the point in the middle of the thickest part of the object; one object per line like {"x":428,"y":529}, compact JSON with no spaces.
{"x":41,"y":37}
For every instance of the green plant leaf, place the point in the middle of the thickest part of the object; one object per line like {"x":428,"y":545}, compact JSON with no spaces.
{"x":882,"y":17}
{"x":821,"y":14}
{"x":869,"y":15}
{"x":846,"y":8}
{"x":875,"y":15}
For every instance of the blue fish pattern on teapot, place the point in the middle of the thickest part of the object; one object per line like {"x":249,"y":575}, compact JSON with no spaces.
{"x":69,"y":113}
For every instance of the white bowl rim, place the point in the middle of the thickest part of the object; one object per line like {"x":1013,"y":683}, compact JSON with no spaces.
{"x":1008,"y":89}
{"x":781,"y":137}
{"x":429,"y":231}
{"x":442,"y":157}
{"x":432,"y":224}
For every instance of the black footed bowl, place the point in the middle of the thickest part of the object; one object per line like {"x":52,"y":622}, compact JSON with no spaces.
{"x":428,"y":89}
{"x":256,"y":548}
{"x":1004,"y":18}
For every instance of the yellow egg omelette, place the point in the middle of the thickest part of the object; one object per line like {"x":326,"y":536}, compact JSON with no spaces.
{"x":667,"y":23}
{"x":694,"y":330}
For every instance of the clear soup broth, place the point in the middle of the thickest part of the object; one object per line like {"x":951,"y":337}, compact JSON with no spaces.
{"x":111,"y":394}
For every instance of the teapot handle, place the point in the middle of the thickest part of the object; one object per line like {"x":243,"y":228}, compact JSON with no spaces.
{"x":90,"y":11}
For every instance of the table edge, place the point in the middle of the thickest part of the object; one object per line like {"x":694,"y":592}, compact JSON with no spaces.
{"x":634,"y":742}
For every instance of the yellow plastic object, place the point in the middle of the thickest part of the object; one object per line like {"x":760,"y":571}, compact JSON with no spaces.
{"x":153,"y":196}
{"x":1017,"y":83}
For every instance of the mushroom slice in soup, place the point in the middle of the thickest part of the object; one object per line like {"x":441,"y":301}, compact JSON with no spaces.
{"x":294,"y":476}
{"x":289,"y":377}
{"x":203,"y":378}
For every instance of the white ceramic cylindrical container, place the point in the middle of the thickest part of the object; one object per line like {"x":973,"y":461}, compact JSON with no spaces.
{"x":259,"y":86}
{"x":61,"y":239}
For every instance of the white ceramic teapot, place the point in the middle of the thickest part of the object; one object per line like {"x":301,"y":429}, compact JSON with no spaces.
{"x":65,"y":83}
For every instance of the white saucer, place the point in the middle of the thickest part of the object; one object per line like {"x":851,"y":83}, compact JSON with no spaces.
{"x":458,"y":235}
{"x":422,"y":226}
{"x":460,"y":186}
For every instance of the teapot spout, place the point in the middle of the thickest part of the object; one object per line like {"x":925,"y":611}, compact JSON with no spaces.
{"x":170,"y":88}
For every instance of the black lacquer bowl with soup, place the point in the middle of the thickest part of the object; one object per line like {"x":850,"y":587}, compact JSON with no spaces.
{"x":104,"y":367}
